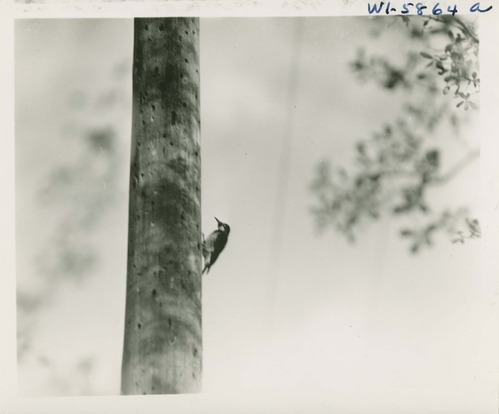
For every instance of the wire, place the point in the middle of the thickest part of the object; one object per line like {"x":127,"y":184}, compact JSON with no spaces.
{"x":284,"y":169}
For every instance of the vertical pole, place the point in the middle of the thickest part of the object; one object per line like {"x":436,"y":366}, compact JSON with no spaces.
{"x":163,"y":344}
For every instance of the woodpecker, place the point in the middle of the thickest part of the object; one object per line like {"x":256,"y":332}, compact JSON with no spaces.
{"x":214,"y":244}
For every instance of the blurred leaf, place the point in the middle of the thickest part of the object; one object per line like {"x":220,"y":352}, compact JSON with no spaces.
{"x":396,"y":165}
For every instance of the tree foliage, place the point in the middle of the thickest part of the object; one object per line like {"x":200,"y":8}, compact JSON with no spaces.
{"x":71,"y":203}
{"x":395,"y":167}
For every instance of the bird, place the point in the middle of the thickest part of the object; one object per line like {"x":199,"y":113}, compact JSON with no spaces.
{"x":214,"y":244}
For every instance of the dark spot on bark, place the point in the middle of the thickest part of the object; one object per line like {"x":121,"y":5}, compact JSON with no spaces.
{"x":169,"y":323}
{"x":185,"y":60}
{"x":174,"y":117}
{"x":161,"y":27}
{"x":146,"y":27}
{"x":186,"y":32}
{"x":153,"y":108}
{"x":195,"y":352}
{"x":143,"y":122}
{"x":196,"y":153}
{"x":171,"y":143}
{"x":156,"y":70}
{"x":154,"y":292}
{"x":139,"y":326}
{"x":164,"y":135}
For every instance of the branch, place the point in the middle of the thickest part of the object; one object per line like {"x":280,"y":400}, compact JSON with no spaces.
{"x":459,"y":24}
{"x":457,"y":168}
{"x":466,"y":30}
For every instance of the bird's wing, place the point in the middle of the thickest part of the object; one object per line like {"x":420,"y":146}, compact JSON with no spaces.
{"x":218,"y":246}
{"x":209,"y":244}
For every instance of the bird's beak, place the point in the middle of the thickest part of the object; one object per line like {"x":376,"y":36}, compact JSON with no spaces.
{"x":218,"y":221}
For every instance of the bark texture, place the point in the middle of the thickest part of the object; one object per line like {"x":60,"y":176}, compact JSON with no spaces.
{"x":162,"y":344}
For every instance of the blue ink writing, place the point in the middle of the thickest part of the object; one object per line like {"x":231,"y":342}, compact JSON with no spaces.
{"x":390,"y":9}
{"x":374,"y":9}
{"x":420,"y":7}
{"x":436,"y":10}
{"x":405,"y":7}
{"x":377,"y":8}
{"x":476,"y":8}
{"x":452,"y":11}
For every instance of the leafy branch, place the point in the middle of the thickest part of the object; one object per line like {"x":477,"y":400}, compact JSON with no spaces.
{"x":394,"y":167}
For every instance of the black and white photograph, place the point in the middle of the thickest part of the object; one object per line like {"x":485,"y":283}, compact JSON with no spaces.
{"x":265,"y":214}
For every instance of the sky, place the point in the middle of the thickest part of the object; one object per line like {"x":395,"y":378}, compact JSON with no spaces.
{"x":364,"y":327}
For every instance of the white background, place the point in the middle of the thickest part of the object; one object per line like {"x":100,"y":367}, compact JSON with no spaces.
{"x":363,"y":328}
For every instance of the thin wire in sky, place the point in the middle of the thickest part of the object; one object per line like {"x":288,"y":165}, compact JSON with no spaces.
{"x":284,"y":166}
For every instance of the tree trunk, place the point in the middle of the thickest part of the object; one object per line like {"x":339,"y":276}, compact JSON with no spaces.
{"x":162,"y":344}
